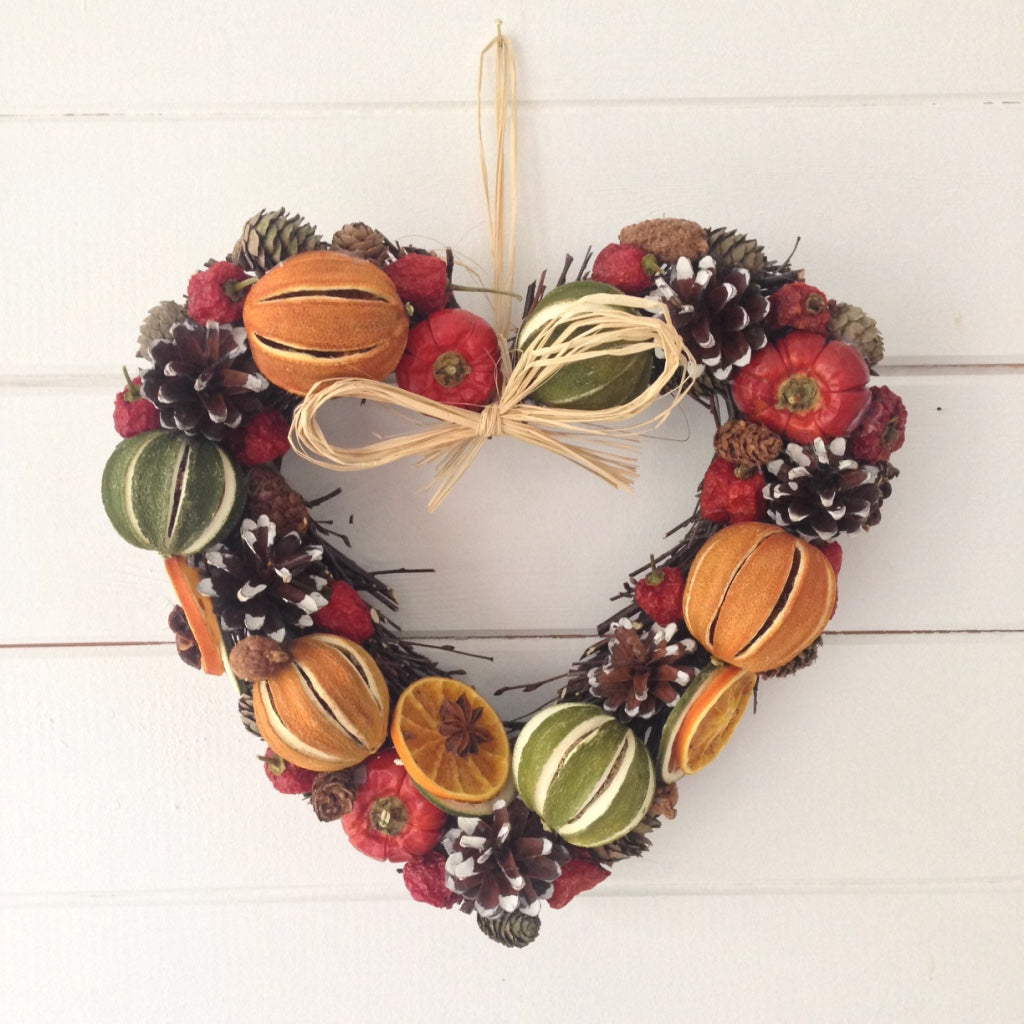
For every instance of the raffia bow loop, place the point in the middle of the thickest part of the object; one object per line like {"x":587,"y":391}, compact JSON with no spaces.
{"x":598,"y":324}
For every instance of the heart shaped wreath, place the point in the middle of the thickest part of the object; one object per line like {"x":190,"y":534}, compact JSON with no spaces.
{"x":498,"y":817}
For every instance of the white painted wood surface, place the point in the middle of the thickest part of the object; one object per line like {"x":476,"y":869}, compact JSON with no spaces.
{"x":858,"y":854}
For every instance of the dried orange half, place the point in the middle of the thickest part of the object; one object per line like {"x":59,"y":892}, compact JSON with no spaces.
{"x":700,"y":725}
{"x":450,"y":740}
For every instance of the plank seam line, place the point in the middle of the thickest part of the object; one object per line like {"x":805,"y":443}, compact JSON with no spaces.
{"x":308,"y":111}
{"x":315,"y":894}
{"x":584,"y":636}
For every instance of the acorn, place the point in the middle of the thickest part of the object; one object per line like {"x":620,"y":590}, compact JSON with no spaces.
{"x":172,"y":494}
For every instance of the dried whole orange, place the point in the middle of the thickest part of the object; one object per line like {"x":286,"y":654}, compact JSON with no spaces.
{"x":451,"y":741}
{"x":323,"y":314}
{"x":325,"y":710}
{"x":756,"y":596}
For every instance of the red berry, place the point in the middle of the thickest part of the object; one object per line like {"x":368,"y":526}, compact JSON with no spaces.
{"x":578,"y":875}
{"x":424,"y":878}
{"x":287,"y":777}
{"x":798,"y":306}
{"x":421,"y":280}
{"x":345,"y":614}
{"x":261,"y":439}
{"x":729,"y":494}
{"x":660,"y":595}
{"x":883,"y":428}
{"x":622,"y":267}
{"x":210,"y":296}
{"x":132,"y":413}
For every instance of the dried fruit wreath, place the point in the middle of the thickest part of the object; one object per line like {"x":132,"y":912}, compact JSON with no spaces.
{"x":497,"y":817}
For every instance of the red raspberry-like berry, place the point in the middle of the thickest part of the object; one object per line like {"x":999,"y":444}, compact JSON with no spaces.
{"x":421,"y":280}
{"x":578,"y":875}
{"x":287,"y":777}
{"x":732,"y":494}
{"x":660,"y":595}
{"x":883,"y":428}
{"x":622,"y":267}
{"x":261,"y":439}
{"x":132,"y":413}
{"x":345,"y":614}
{"x":424,"y":878}
{"x":798,"y":306}
{"x":211,"y":297}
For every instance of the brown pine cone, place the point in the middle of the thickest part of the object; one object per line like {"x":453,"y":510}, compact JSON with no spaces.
{"x":270,"y":496}
{"x":734,"y":249}
{"x":333,"y":794}
{"x":514,"y":930}
{"x":851,"y":324}
{"x":359,"y":239}
{"x":746,"y":444}
{"x":270,"y":237}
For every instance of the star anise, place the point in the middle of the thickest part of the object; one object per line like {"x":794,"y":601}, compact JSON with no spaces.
{"x":458,"y":724}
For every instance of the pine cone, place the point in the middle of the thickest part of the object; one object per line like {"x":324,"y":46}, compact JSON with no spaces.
{"x":806,"y":657}
{"x":271,"y":496}
{"x":735,"y":250}
{"x":816,"y":492}
{"x":725,"y":325}
{"x":503,"y":863}
{"x":643,"y":672}
{"x":262,"y":585}
{"x":333,"y":794}
{"x":668,"y":239}
{"x":514,"y":930}
{"x":158,"y":323}
{"x":636,"y":843}
{"x":247,"y":714}
{"x":851,"y":324}
{"x":746,"y":444}
{"x":359,"y":239}
{"x":203,"y":381}
{"x":270,"y":238}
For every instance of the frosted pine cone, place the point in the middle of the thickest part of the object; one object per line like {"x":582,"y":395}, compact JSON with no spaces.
{"x":203,"y":381}
{"x":644,"y":671}
{"x":724,"y":327}
{"x":817,"y":492}
{"x":503,"y":863}
{"x":262,"y":585}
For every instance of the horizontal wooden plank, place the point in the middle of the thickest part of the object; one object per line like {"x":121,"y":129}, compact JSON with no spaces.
{"x":891,"y":764}
{"x":191,"y":56}
{"x":113,"y":216}
{"x":921,"y":959}
{"x":498,"y":546}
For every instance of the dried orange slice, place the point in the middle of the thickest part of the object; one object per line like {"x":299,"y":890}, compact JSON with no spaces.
{"x":198,"y":612}
{"x":700,"y":725}
{"x":451,"y":741}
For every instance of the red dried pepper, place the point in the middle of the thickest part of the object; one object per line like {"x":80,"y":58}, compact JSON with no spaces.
{"x":451,"y":357}
{"x":391,"y":819}
{"x":804,"y":387}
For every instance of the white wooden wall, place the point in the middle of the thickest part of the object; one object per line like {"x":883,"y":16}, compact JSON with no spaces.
{"x":856,"y":855}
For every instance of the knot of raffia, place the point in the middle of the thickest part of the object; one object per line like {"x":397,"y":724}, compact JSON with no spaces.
{"x":598,"y":324}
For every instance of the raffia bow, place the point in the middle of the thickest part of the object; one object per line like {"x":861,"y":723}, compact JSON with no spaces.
{"x":594,"y":325}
